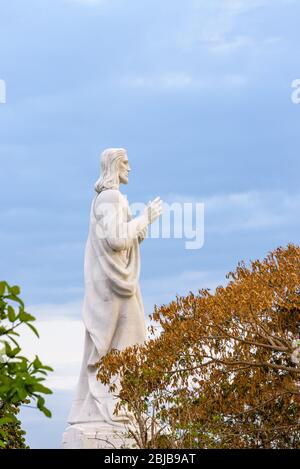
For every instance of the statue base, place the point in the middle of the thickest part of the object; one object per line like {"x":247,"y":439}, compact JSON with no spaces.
{"x":97,"y":435}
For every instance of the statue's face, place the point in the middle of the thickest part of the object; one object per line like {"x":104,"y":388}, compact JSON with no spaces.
{"x":124,"y":169}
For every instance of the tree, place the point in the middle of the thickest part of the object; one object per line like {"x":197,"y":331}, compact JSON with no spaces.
{"x":224,"y":372}
{"x":20,"y":379}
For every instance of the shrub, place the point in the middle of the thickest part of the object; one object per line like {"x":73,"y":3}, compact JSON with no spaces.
{"x":224,"y":372}
{"x":21,"y":379}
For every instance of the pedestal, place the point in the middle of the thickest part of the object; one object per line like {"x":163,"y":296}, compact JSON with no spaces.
{"x":96,"y":436}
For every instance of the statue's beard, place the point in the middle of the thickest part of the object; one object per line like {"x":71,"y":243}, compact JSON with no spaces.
{"x":124,"y":178}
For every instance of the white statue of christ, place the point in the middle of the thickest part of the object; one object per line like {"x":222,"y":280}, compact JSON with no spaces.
{"x":113,"y":311}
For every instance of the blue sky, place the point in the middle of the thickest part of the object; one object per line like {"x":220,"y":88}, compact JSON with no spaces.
{"x":199,"y":93}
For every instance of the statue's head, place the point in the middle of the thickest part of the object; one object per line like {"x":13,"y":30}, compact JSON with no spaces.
{"x":114,"y":169}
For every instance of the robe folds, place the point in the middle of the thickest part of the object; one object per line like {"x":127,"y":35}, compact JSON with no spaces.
{"x":113,"y":312}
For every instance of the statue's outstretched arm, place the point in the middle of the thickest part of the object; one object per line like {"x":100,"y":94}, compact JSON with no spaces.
{"x":120,"y":233}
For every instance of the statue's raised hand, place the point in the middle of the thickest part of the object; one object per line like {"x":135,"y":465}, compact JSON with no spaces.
{"x":153,"y":210}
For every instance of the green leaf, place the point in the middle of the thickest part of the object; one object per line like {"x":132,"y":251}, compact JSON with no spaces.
{"x":15,"y":290}
{"x":13,"y":340}
{"x":8,"y":349}
{"x":48,"y":368}
{"x":40,"y":402}
{"x":46,"y":412}
{"x":34,"y":330}
{"x":6,"y":420}
{"x":15,"y":298}
{"x":37,"y":363}
{"x":22,"y":394}
{"x":16,"y":350}
{"x":11,"y":314}
{"x":39,"y":371}
{"x":3,"y":434}
{"x":2,"y":288}
{"x":11,"y":353}
{"x":40,"y":388}
{"x":25,"y":317}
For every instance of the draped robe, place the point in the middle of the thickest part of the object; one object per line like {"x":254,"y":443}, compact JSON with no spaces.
{"x":113,"y":312}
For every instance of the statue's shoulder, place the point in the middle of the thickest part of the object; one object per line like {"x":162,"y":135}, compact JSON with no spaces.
{"x":109,"y":195}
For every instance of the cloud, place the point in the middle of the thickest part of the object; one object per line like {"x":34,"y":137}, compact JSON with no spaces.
{"x":61,"y":328}
{"x":60,"y":342}
{"x":65,"y":376}
{"x":231,"y":214}
{"x":53,"y":312}
{"x":215,"y":26}
{"x":253,"y":211}
{"x":223,"y":45}
{"x":204,"y":100}
{"x":60,"y":345}
{"x":182,"y":80}
{"x":162,"y":290}
{"x":246,"y":211}
{"x":88,"y":2}
{"x":167,"y":80}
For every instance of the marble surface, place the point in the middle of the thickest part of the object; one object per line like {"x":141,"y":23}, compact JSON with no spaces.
{"x":113,"y":311}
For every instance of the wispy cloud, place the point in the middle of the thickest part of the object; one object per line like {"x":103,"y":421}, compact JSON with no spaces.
{"x":61,"y":311}
{"x":88,"y":2}
{"x":61,"y":328}
{"x":253,"y":211}
{"x":168,"y":80}
{"x":214,"y":25}
{"x":247,"y":211}
{"x":162,"y":290}
{"x":182,"y":80}
{"x":200,"y":96}
{"x":60,"y":345}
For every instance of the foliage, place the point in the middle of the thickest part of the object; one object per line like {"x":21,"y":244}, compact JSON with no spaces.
{"x":20,"y":378}
{"x":11,"y":433}
{"x":225,"y":370}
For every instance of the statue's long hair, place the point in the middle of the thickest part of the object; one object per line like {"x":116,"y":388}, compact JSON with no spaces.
{"x":109,"y":178}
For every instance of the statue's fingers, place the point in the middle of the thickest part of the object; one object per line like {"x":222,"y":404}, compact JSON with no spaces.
{"x":158,"y":205}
